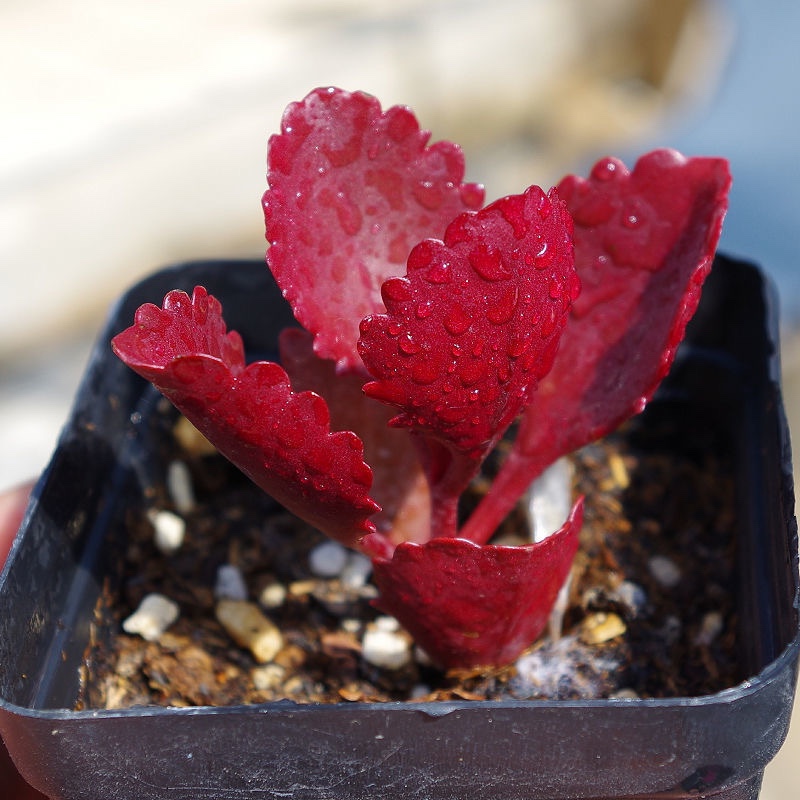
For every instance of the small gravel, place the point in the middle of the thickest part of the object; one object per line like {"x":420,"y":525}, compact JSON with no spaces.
{"x":180,"y":487}
{"x":327,"y":560}
{"x":230,"y":583}
{"x":152,"y":618}
{"x":169,"y":531}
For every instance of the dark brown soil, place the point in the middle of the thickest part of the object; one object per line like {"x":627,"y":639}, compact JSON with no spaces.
{"x":651,"y":610}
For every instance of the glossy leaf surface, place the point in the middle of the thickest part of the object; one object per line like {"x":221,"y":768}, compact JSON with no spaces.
{"x":471,"y":605}
{"x":351,"y":190}
{"x":644,"y":243}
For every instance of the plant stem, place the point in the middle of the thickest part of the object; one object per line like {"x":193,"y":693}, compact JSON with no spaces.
{"x":513,"y":479}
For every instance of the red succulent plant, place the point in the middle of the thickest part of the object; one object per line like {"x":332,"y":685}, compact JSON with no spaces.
{"x":429,"y":325}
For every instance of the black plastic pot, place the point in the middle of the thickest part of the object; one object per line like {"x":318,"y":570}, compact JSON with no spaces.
{"x":711,"y":746}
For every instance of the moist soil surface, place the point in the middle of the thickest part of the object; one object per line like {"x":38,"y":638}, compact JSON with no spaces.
{"x":651,"y":610}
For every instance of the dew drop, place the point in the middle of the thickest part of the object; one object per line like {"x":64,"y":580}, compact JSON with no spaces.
{"x":457,"y":321}
{"x":424,"y":309}
{"x":472,"y":195}
{"x":518,"y":345}
{"x":593,"y":211}
{"x":488,"y":263}
{"x":425,"y":371}
{"x":408,"y":345}
{"x":542,"y":258}
{"x":555,"y":288}
{"x":502,"y":311}
{"x":348,"y":214}
{"x":605,"y":170}
{"x":635,"y":214}
{"x":394,"y":328}
{"x":471,"y":372}
{"x":549,"y":323}
{"x":574,"y":286}
{"x":478,"y":348}
{"x":513,"y":210}
{"x":632,"y":221}
{"x":438,"y":273}
{"x":544,"y":205}
{"x":450,"y":414}
{"x":428,"y":195}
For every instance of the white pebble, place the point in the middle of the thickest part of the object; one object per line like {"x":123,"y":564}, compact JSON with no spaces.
{"x":385,"y":649}
{"x":273,"y":595}
{"x":386,"y":623}
{"x":249,"y":628}
{"x":711,"y":627}
{"x":625,"y":694}
{"x":270,"y":676}
{"x":230,"y":583}
{"x":180,"y":487}
{"x":356,"y":571}
{"x":169,"y":531}
{"x":153,"y":616}
{"x":327,"y":560}
{"x":632,"y":595}
{"x":665,"y":571}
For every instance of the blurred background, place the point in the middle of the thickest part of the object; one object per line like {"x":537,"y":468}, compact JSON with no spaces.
{"x":133,"y":135}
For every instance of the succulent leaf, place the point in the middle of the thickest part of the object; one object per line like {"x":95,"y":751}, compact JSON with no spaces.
{"x":351,"y":190}
{"x":399,"y":484}
{"x":471,"y":605}
{"x":644,"y":243}
{"x":475,"y":323}
{"x":279,"y":438}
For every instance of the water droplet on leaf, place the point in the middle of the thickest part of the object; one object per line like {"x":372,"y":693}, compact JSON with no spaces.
{"x":457,"y":321}
{"x":438,"y":273}
{"x":424,"y":309}
{"x":408,"y":345}
{"x":605,"y":170}
{"x":428,"y":195}
{"x":503,"y":309}
{"x":488,"y":263}
{"x":471,"y":372}
{"x":425,"y":372}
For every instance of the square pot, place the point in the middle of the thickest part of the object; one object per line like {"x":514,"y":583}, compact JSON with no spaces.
{"x":717,"y":745}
